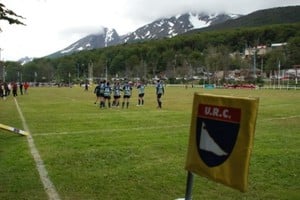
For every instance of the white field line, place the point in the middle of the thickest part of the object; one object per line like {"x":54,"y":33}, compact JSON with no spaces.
{"x":48,"y":185}
{"x":281,"y":118}
{"x":112,"y":130}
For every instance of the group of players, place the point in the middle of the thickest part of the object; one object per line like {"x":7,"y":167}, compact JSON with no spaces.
{"x":104,"y":91}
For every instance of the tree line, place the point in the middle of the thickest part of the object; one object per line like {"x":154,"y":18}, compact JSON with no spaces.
{"x":183,"y":56}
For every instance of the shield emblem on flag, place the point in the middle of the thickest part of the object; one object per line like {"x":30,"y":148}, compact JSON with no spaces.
{"x":221,"y":138}
{"x":217,"y":129}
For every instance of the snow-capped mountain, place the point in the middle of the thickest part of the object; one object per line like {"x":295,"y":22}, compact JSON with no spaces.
{"x":161,"y":28}
{"x":25,"y":60}
{"x":107,"y":37}
{"x":176,"y":25}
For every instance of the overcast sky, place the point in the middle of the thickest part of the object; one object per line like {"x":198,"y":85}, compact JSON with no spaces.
{"x":52,"y":25}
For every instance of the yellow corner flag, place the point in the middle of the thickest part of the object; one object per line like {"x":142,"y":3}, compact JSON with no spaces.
{"x":221,"y":138}
{"x":13,"y":129}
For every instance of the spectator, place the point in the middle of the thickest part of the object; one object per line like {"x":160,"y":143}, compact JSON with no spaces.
{"x":21,"y":88}
{"x":15,"y":89}
{"x":26,"y":86}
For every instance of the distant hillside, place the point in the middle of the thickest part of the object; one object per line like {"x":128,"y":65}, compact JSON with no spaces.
{"x":281,"y":15}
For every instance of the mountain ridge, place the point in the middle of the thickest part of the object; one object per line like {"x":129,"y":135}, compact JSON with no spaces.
{"x":185,"y":23}
{"x":278,"y":15}
{"x":161,"y":28}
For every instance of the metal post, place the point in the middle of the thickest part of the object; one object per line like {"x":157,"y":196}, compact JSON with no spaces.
{"x":189,"y":186}
{"x":254,"y":64}
{"x":278,"y":74}
{"x":3,"y":66}
{"x":106,"y":71}
{"x":35,"y":76}
{"x":69,"y":79}
{"x":77,"y":71}
{"x":296,"y":79}
{"x":262,"y":66}
{"x":4,"y":73}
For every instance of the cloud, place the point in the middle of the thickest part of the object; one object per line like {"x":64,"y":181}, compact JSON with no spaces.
{"x":142,"y":12}
{"x":54,"y":24}
{"x":81,"y":31}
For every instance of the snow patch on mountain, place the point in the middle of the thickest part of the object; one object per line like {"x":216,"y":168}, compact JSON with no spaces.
{"x":196,"y":23}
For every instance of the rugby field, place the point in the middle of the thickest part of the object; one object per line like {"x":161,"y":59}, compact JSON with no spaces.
{"x":139,"y":152}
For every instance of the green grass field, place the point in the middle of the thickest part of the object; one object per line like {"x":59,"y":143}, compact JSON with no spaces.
{"x":140,"y":152}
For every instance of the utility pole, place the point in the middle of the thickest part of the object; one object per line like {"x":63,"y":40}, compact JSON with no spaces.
{"x":106,"y":71}
{"x":69,"y":75}
{"x":262,"y":65}
{"x":296,"y":78}
{"x":254,"y":63}
{"x":90,"y":72}
{"x":278,"y":74}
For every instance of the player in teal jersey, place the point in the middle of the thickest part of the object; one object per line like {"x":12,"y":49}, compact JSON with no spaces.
{"x":159,"y":92}
{"x":127,"y":94}
{"x":141,"y":93}
{"x":107,"y":94}
{"x":101,"y":93}
{"x":97,"y":92}
{"x":117,"y":94}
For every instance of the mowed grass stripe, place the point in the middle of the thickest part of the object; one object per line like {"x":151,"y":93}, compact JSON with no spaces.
{"x":170,"y":128}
